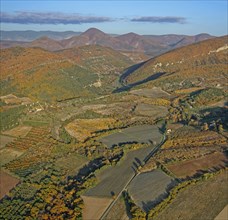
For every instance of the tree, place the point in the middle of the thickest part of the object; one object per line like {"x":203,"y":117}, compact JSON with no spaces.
{"x":205,"y":127}
{"x":220,"y":128}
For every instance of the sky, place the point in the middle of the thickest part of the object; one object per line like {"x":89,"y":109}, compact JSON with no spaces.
{"x":154,"y":17}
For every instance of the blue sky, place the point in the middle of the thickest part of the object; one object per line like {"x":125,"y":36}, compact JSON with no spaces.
{"x":116,"y":16}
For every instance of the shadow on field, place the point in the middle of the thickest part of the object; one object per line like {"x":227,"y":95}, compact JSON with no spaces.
{"x":129,"y":86}
{"x":147,"y":206}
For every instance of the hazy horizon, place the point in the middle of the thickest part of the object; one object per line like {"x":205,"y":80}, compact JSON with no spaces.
{"x":117,"y":17}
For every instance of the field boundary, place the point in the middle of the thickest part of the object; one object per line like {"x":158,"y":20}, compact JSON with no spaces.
{"x":136,"y":174}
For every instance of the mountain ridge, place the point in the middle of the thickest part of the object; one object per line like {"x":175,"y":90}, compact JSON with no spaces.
{"x":152,"y":45}
{"x":186,"y":66}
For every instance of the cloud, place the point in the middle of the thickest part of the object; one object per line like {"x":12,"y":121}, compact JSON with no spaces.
{"x":49,"y":18}
{"x":159,"y":19}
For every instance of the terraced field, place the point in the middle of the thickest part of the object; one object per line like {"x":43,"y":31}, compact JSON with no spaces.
{"x":148,"y":188}
{"x":136,"y":134}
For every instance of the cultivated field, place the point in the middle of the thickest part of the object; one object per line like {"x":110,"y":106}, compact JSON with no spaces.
{"x":19,"y":131}
{"x":223,"y":214}
{"x":138,"y":134}
{"x":34,"y":136}
{"x":118,"y":211}
{"x":154,"y":111}
{"x":8,"y":154}
{"x":7,"y":182}
{"x":148,"y":188}
{"x":94,"y":207}
{"x":110,"y":109}
{"x":71,"y":163}
{"x":191,"y":167}
{"x":151,"y":93}
{"x":204,"y":200}
{"x":189,"y":137}
{"x":4,"y":140}
{"x":113,"y":179}
{"x":84,"y":128}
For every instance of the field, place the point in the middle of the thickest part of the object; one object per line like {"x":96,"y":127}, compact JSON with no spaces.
{"x":152,"y":93}
{"x":34,"y":136}
{"x":8,"y":154}
{"x":19,"y":131}
{"x":223,"y":214}
{"x":204,"y":200}
{"x":7,"y":182}
{"x":94,"y":207}
{"x":110,"y":109}
{"x":148,"y":188}
{"x":113,"y":179}
{"x":188,"y":137}
{"x":191,"y":167}
{"x":118,"y":211}
{"x":138,"y":134}
{"x":84,"y":128}
{"x":71,"y":163}
{"x":151,"y":110}
{"x":4,"y":140}
{"x":14,"y":100}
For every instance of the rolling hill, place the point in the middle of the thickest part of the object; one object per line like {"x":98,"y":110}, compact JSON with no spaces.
{"x":199,"y":64}
{"x":44,"y":75}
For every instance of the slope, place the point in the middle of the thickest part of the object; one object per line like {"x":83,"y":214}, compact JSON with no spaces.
{"x":200,"y":64}
{"x":66,"y":74}
{"x":43,"y":75}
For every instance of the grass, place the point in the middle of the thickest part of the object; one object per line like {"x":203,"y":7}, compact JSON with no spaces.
{"x":35,"y":123}
{"x":70,"y":163}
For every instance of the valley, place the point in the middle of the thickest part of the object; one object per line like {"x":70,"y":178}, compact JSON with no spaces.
{"x":102,"y":132}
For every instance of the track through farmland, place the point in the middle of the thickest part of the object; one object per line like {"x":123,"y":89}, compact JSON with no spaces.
{"x":133,"y":177}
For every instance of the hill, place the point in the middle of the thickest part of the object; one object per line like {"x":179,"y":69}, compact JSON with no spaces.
{"x":151,"y":45}
{"x":48,"y":76}
{"x":46,"y":43}
{"x":199,"y":64}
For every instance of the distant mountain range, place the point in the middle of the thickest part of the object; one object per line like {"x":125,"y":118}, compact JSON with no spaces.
{"x":27,"y":36}
{"x":151,"y":45}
